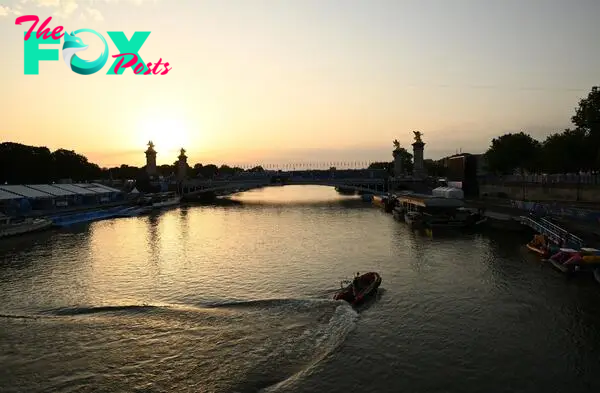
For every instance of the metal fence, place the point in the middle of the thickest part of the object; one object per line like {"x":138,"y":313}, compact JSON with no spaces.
{"x":543,"y":179}
{"x":558,"y":210}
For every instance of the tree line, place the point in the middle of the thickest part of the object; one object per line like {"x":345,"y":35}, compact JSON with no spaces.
{"x":573,"y":150}
{"x":23,"y":164}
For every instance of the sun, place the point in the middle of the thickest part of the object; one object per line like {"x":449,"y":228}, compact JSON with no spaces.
{"x":168,"y":136}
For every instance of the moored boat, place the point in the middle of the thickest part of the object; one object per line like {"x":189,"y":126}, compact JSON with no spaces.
{"x":398,"y":213}
{"x":359,"y":289}
{"x":134,"y":211}
{"x":590,"y":256}
{"x":413,"y":218}
{"x":167,"y":199}
{"x":537,"y":249}
{"x":431,"y":212}
{"x":380,"y":201}
{"x":14,"y":227}
{"x":541,"y":245}
{"x":66,"y":220}
{"x":566,"y":260}
{"x":367,"y":197}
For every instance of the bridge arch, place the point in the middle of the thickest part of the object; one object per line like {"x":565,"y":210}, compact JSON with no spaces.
{"x":363,"y":185}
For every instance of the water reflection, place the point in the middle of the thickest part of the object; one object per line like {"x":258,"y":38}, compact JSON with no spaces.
{"x":473,"y":306}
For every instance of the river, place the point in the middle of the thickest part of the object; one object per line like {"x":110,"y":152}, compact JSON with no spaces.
{"x":237,"y":298}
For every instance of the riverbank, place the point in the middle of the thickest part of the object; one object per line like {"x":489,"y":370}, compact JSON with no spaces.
{"x":587,"y":230}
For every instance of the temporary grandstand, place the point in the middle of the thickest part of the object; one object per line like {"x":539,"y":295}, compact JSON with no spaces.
{"x":55,"y":196}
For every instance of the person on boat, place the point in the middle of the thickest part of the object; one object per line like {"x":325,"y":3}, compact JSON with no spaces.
{"x":355,"y":283}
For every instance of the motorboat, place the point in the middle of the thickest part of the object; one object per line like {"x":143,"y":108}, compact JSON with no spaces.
{"x":360,"y":288}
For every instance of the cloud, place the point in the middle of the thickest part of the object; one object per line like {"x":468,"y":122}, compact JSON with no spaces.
{"x":67,"y":8}
{"x":8,"y":11}
{"x":94,"y":14}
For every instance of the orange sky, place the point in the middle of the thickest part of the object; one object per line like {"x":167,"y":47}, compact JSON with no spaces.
{"x":290,"y":81}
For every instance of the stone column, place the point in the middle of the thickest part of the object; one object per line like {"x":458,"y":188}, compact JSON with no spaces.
{"x":418,"y":166}
{"x":397,"y":163}
{"x":182,"y":166}
{"x":151,"y":160}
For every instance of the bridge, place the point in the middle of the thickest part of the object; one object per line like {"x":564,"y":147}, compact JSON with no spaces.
{"x":369,"y":183}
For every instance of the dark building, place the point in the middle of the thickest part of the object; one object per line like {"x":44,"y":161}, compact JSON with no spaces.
{"x":462,"y":171}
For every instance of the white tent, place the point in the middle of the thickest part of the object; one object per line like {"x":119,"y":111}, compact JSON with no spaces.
{"x":448,"y":192}
{"x":134,"y":191}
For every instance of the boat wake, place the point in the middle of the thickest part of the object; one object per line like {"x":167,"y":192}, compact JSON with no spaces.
{"x":101,"y":309}
{"x":227,"y":346}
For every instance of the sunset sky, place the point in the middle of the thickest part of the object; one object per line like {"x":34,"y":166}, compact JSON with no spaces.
{"x":302,"y":80}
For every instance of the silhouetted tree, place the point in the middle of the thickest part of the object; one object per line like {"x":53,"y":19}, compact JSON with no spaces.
{"x":511,"y":152}
{"x":166,"y":170}
{"x":70,"y":165}
{"x":565,"y":152}
{"x":381,"y":165}
{"x":124,"y":172}
{"x":29,"y":164}
{"x":587,"y":120}
{"x":226,"y":170}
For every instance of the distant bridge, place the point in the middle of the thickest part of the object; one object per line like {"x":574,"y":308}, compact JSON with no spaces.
{"x":196,"y":187}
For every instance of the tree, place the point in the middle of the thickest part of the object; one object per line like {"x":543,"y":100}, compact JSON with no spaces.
{"x":387,"y":166}
{"x":565,"y":152}
{"x":124,"y":172}
{"x":406,"y":158}
{"x":30,"y":164}
{"x":226,"y":170}
{"x":25,"y":164}
{"x":587,"y":120}
{"x":381,"y":165}
{"x":70,"y":165}
{"x":166,"y":170}
{"x":209,"y":171}
{"x":511,"y":152}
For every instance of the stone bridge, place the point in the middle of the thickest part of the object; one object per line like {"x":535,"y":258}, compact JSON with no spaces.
{"x":191,"y":188}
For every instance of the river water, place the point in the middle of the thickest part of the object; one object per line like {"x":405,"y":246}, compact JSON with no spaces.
{"x":238,"y":299}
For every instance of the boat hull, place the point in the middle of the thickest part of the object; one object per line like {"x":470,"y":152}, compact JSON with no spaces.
{"x":171,"y":202}
{"x":22,"y":229}
{"x":368,"y":285}
{"x":537,"y":250}
{"x":559,"y":266}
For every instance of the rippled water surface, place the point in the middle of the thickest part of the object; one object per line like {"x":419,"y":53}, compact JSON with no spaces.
{"x":237,"y":298}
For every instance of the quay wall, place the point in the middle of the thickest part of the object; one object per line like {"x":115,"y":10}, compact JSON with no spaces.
{"x":542,"y":192}
{"x":583,"y":213}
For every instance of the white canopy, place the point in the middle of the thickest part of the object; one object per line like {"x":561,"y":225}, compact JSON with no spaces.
{"x":448,"y":192}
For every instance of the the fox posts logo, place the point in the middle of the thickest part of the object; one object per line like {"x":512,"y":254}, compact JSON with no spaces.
{"x":128,"y":57}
